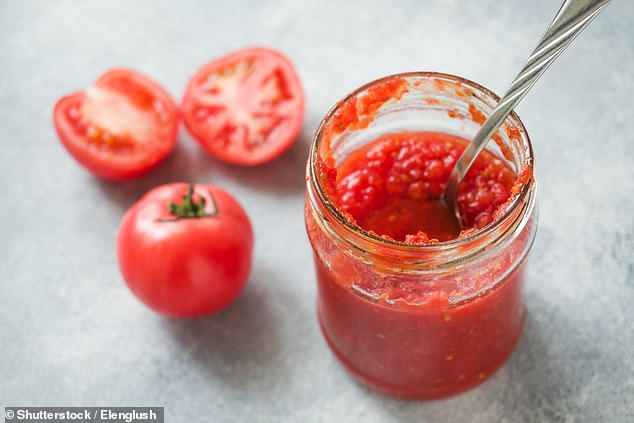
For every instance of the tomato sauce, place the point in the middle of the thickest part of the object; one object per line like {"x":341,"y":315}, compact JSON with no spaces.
{"x":392,"y":187}
{"x":395,"y":333}
{"x":423,"y":350}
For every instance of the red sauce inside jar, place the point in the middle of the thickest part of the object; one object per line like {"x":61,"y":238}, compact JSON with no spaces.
{"x":392,"y":187}
{"x":405,"y":338}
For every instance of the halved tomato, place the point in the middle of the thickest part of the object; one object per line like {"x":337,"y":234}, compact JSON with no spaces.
{"x":119,"y":128}
{"x":245,"y":108}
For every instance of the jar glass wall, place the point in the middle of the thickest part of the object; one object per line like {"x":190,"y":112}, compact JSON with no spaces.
{"x":419,"y":321}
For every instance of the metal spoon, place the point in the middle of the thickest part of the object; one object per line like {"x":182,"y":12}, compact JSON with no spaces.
{"x":572,"y":18}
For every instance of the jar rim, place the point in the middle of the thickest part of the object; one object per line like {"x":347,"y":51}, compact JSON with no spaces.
{"x":510,"y":210}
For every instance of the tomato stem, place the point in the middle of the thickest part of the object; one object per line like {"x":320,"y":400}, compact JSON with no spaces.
{"x":190,"y":208}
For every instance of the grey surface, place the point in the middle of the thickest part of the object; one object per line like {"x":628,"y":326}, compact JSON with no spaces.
{"x":72,"y":334}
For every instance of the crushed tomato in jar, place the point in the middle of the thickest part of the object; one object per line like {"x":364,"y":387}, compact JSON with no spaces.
{"x":392,"y":187}
{"x":410,"y":304}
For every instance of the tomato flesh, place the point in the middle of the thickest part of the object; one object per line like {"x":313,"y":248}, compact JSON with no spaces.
{"x":245,"y":108}
{"x":418,"y":331}
{"x":121,"y":127}
{"x":392,"y":187}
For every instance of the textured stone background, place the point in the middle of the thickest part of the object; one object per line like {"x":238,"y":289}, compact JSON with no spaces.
{"x":71,"y":333}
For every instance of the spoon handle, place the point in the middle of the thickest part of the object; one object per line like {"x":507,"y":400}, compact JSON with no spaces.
{"x":570,"y":20}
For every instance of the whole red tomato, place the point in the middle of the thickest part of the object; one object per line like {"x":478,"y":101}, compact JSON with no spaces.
{"x":121,"y":127}
{"x":185,"y":250}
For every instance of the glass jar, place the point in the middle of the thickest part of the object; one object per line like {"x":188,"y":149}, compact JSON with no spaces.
{"x":464,"y":309}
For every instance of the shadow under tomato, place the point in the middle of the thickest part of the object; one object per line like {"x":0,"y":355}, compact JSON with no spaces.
{"x":239,"y":346}
{"x":283,"y":176}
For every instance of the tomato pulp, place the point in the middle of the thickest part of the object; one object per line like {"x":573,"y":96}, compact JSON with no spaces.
{"x":245,"y":108}
{"x":400,"y":334}
{"x":392,"y":187}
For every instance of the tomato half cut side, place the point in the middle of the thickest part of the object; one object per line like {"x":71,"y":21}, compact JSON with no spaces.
{"x":245,"y":108}
{"x":119,"y":128}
